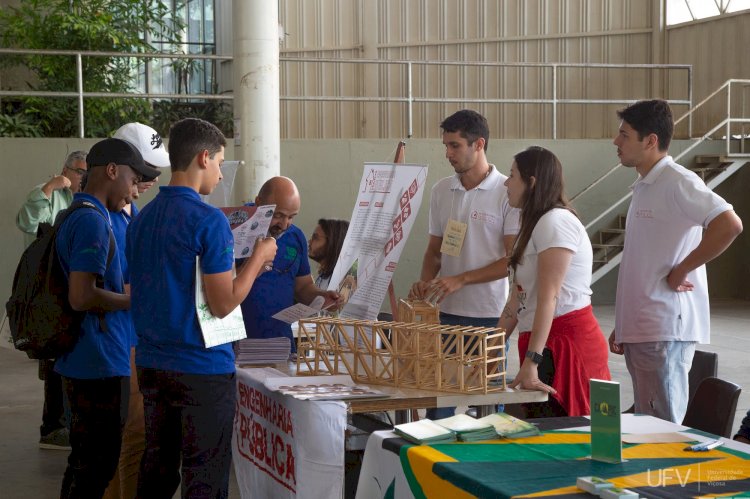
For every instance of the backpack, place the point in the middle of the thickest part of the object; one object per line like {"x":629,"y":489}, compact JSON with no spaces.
{"x":42,"y":322}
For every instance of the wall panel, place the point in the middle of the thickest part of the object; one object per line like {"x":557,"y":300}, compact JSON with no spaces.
{"x":504,"y":31}
{"x":717,"y":49}
{"x":463,"y":30}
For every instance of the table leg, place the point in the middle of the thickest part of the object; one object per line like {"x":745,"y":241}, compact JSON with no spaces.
{"x":403,"y":416}
{"x":485,"y":410}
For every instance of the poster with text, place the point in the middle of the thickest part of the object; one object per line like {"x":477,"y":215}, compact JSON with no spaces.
{"x":387,"y":204}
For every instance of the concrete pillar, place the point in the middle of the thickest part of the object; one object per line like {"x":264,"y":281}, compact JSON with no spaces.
{"x":255,"y":24}
{"x":368,"y":11}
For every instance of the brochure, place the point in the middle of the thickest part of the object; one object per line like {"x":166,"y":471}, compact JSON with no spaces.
{"x":216,"y":331}
{"x":606,"y":425}
{"x":248,"y":223}
{"x":298,"y":311}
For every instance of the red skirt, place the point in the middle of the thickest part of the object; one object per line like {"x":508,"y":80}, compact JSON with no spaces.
{"x":579,"y":352}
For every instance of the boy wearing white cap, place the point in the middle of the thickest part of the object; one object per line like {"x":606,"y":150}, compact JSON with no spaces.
{"x":149,"y":143}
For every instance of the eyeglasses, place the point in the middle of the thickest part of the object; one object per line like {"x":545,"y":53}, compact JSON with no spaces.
{"x":79,"y":171}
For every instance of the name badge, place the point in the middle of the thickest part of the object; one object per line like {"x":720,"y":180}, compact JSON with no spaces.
{"x":453,"y":238}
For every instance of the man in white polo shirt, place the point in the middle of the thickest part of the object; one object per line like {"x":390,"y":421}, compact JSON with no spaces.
{"x":472,"y":230}
{"x":675,"y":225}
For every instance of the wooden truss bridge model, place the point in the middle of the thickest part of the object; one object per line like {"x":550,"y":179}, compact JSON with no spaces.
{"x":416,"y":353}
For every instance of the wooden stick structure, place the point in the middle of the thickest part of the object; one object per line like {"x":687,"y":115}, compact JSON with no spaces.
{"x":417,"y":354}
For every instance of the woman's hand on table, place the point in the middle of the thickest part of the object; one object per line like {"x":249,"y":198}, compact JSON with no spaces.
{"x":528,"y":379}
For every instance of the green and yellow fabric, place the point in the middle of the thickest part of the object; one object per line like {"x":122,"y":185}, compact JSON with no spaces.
{"x":548,"y":465}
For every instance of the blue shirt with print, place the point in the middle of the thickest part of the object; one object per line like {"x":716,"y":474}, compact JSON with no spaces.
{"x":82,"y":245}
{"x":273,"y":290}
{"x":163,"y":242}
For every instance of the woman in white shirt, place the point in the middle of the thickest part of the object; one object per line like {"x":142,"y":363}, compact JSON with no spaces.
{"x":560,"y":344}
{"x":324,"y":247}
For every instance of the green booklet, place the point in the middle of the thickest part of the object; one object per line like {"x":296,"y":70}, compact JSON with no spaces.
{"x":425,"y":431}
{"x":606,"y":426}
{"x":468,"y":429}
{"x":507,"y":426}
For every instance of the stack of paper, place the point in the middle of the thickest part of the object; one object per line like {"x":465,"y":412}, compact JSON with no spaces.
{"x":509,"y":427}
{"x":425,"y":431}
{"x":468,"y":429}
{"x":263,"y":351}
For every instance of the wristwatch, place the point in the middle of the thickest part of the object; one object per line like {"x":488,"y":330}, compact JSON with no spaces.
{"x":536,"y":358}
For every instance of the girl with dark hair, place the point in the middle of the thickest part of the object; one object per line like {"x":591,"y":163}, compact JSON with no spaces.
{"x":324,"y":247}
{"x":560,"y":344}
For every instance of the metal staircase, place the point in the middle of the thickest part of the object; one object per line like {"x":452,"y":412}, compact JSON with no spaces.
{"x":607,"y":231}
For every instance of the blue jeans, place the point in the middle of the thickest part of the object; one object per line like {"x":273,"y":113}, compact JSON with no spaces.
{"x":188,"y":419}
{"x":659,"y":370}
{"x":459,"y":320}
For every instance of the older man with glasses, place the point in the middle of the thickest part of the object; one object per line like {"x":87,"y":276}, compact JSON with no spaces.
{"x":289,"y":279}
{"x":46,"y":200}
{"x":42,"y":205}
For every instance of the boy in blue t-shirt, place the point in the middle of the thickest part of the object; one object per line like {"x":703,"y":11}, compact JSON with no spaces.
{"x":189,"y":390}
{"x":95,"y":373}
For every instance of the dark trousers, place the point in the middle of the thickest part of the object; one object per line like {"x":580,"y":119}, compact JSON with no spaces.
{"x":54,"y":411}
{"x":188,"y":417}
{"x":98,"y":408}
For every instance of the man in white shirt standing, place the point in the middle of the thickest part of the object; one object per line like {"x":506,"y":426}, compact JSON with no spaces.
{"x":675,"y":225}
{"x":472,"y":230}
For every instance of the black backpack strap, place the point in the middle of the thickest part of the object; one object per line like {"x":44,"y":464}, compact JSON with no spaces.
{"x":77,"y":204}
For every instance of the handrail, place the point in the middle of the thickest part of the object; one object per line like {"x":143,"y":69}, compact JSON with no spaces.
{"x":676,"y":158}
{"x":408,"y":97}
{"x":725,"y":122}
{"x":689,"y":112}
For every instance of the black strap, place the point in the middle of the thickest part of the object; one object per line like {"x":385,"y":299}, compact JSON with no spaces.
{"x":77,"y":204}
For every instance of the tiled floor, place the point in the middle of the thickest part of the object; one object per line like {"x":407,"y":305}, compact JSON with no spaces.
{"x":31,"y":473}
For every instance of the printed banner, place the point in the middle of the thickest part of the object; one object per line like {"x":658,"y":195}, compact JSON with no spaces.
{"x":283,"y":447}
{"x":389,"y":198}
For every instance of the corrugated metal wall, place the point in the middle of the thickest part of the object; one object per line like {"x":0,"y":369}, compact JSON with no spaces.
{"x":718,"y":50}
{"x":490,"y":31}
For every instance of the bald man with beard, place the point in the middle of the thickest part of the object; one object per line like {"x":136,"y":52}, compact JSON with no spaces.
{"x":289,"y":280}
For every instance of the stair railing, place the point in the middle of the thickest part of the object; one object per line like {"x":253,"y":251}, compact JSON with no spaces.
{"x":727,"y":122}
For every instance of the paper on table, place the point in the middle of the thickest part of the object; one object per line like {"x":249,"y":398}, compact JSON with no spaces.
{"x":216,"y":331}
{"x":248,"y":223}
{"x":642,"y":423}
{"x":656,"y":438}
{"x":298,"y":311}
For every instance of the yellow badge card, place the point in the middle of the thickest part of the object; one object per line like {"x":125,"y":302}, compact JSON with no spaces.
{"x":453,"y":238}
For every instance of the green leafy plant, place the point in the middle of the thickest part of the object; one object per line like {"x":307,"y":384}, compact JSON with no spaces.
{"x":17,"y":125}
{"x":90,"y":25}
{"x":217,"y":112}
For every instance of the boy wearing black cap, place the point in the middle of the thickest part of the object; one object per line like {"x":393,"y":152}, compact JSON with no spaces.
{"x":189,"y":391}
{"x":95,"y":373}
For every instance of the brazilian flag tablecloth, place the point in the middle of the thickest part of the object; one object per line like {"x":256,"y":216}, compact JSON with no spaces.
{"x":548,"y":465}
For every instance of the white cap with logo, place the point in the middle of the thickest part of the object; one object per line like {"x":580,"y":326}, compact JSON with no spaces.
{"x":147,"y":141}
